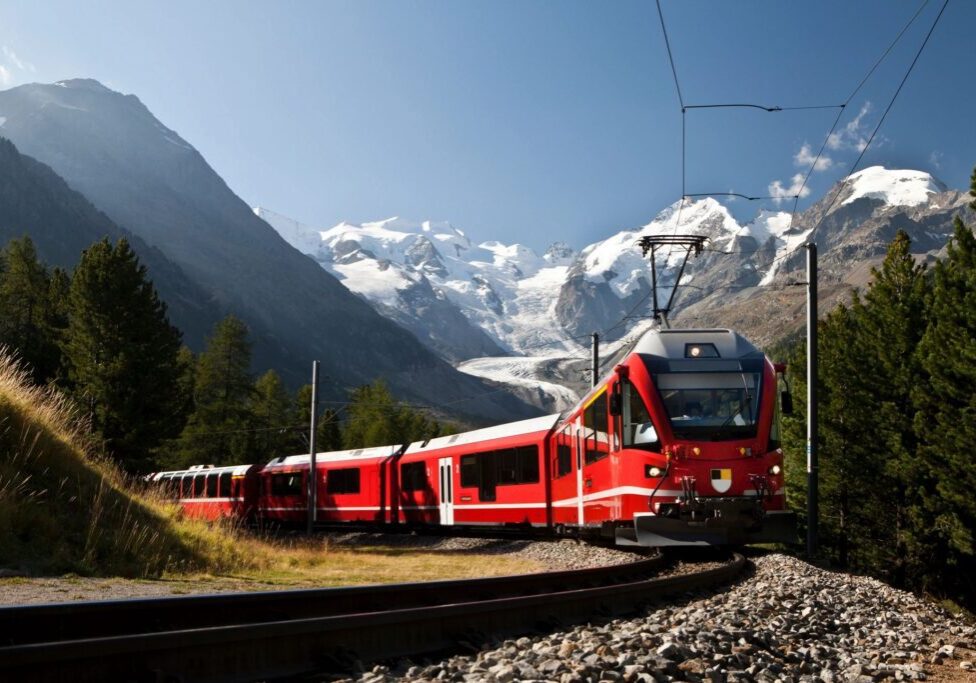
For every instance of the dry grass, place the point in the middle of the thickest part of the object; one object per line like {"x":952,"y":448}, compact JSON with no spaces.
{"x":316,"y":563}
{"x":65,"y":508}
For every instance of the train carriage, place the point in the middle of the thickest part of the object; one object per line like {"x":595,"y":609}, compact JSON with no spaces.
{"x":677,"y":445}
{"x":351,"y":486}
{"x":492,"y":476}
{"x":212,"y":493}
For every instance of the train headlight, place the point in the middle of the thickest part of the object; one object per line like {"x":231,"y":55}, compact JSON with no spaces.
{"x":653,"y":471}
{"x":775,"y":469}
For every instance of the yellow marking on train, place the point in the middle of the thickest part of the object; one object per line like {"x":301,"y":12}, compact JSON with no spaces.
{"x":595,"y":397}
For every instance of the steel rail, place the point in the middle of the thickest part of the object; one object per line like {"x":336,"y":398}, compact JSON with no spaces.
{"x":23,"y":624}
{"x":294,"y":646}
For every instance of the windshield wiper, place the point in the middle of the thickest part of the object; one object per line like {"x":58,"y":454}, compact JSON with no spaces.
{"x":746,"y":402}
{"x":736,"y":414}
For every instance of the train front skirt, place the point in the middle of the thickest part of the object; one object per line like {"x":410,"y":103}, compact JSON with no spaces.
{"x":711,"y":521}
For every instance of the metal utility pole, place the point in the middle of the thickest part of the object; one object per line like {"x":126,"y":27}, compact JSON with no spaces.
{"x":595,"y":373}
{"x":812,"y":456}
{"x":312,"y":473}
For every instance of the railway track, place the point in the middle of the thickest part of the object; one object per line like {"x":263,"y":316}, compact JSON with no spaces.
{"x":255,"y":636}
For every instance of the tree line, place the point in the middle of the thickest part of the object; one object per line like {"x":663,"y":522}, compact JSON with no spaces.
{"x":101,"y":334}
{"x":897,"y":388}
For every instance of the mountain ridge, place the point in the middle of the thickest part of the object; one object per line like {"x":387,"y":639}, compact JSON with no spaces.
{"x":597,"y":288}
{"x":145,"y":177}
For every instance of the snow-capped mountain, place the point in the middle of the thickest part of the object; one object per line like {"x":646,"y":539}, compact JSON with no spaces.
{"x":503,"y":293}
{"x":507,"y":313}
{"x":893,"y":187}
{"x":852,"y":226}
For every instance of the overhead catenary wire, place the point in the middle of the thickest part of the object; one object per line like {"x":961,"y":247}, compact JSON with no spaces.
{"x":891,"y":103}
{"x":684,"y":107}
{"x":763,"y":107}
{"x":681,"y":104}
{"x":731,"y":285}
{"x":841,"y":108}
{"x":857,"y":88}
{"x":833,"y":127}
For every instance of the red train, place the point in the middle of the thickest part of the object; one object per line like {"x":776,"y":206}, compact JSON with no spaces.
{"x":678,"y":445}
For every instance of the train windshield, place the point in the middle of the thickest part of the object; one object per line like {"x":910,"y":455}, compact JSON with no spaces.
{"x":713,"y":406}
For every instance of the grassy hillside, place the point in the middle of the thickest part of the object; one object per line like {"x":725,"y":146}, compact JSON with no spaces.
{"x":63,"y":509}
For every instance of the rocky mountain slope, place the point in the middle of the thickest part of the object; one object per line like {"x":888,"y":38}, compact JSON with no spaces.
{"x":146,"y":178}
{"x":852,"y":235}
{"x":35,"y":201}
{"x":540,"y":309}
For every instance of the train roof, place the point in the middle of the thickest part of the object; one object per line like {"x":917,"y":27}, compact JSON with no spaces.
{"x":675,"y":344}
{"x":332,"y":456}
{"x":203,"y":469}
{"x":530,"y":426}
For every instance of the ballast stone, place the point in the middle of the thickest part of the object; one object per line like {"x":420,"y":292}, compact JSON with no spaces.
{"x":788,"y":623}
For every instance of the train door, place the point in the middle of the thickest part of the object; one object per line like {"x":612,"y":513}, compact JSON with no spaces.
{"x":564,"y":484}
{"x":446,"y":479}
{"x":594,"y":449}
{"x":578,"y":450}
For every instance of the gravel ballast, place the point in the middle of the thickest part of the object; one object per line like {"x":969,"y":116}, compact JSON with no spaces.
{"x":789,"y":621}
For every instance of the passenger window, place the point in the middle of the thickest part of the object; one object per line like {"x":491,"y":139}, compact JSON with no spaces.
{"x":212,"y":486}
{"x":198,"y":485}
{"x":225,"y":485}
{"x":564,"y":453}
{"x":595,"y":420}
{"x":413,"y":477}
{"x":343,"y":481}
{"x":487,"y":480}
{"x":638,"y":429}
{"x":289,"y":484}
{"x":527,"y":458}
{"x":469,"y":471}
{"x":507,"y":466}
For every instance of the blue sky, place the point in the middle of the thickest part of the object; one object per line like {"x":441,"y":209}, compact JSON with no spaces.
{"x":518,"y":121}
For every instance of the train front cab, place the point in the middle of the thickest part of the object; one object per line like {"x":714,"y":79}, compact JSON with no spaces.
{"x":677,"y":446}
{"x":716,"y":464}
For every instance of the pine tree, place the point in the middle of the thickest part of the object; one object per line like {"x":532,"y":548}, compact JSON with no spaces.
{"x":121,"y":354}
{"x":893,"y":320}
{"x":220,"y":429}
{"x":29,"y":320}
{"x":328,"y":436}
{"x":847,"y":468}
{"x":273,"y":416}
{"x":375,"y":418}
{"x":871,"y":486}
{"x":945,"y":422}
{"x":187,"y":363}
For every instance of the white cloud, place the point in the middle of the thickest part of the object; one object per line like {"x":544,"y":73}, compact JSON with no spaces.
{"x":935,"y":159}
{"x":17,"y":61}
{"x":5,"y":77}
{"x":779,"y":193}
{"x":854,"y":134}
{"x":805,"y":157}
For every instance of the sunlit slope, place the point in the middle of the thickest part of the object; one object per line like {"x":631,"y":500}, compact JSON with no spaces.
{"x":62,"y":509}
